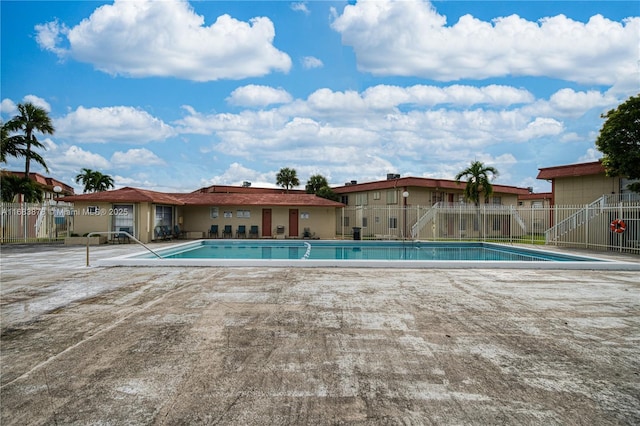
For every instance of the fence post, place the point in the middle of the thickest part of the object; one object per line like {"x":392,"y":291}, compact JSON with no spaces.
{"x":586,"y":226}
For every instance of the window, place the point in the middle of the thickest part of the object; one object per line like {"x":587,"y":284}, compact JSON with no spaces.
{"x":123,"y":216}
{"x":392,"y":196}
{"x":345,"y":221}
{"x":376,"y":195}
{"x":393,"y":223}
{"x":164,"y":216}
{"x":243,"y":213}
{"x":344,"y":199}
{"x":536,"y":204}
{"x":496,"y":200}
{"x":364,"y":222}
{"x":362,"y":199}
{"x":214,"y":212}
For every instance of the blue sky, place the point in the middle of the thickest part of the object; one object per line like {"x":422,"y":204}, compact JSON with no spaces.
{"x":174,"y":95}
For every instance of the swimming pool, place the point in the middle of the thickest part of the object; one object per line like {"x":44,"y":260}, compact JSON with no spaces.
{"x":386,"y":254}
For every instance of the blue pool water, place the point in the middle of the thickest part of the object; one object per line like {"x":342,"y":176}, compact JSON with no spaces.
{"x":358,"y":250}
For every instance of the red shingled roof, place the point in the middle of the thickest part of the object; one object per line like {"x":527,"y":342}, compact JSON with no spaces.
{"x":129,"y":195}
{"x":570,"y":170}
{"x":245,"y":190}
{"x":421,"y":183}
{"x":47,"y":182}
{"x":536,"y":196}
{"x":135,"y":195}
{"x":259,"y":199}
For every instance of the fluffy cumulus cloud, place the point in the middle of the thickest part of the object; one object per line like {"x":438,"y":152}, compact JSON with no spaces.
{"x":409,"y":38}
{"x":75,"y":158}
{"x":10,"y":107}
{"x":139,"y":157}
{"x":391,"y":124}
{"x":167,"y":39}
{"x":112,"y":124}
{"x":236,"y":174}
{"x":258,"y":96}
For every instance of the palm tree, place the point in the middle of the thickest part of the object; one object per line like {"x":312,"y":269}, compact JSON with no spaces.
{"x":478,"y":181}
{"x":12,"y":185}
{"x":478,"y":184}
{"x":287,"y":178}
{"x":94,"y":181}
{"x":102,"y":182}
{"x":318,"y":185}
{"x":31,"y":119}
{"x":314,"y":184}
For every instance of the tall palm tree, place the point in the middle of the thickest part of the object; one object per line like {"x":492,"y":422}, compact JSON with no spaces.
{"x":30,"y":119}
{"x":102,"y":182}
{"x":478,"y":185}
{"x":94,"y":181}
{"x":287,"y":178}
{"x":478,"y":181}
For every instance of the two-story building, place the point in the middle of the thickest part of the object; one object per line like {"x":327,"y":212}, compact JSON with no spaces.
{"x":413,"y":207}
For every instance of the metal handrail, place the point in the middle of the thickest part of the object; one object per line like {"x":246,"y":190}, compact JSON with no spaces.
{"x":118,"y":232}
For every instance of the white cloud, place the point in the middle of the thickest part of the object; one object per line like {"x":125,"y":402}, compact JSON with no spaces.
{"x":49,"y":36}
{"x":37,"y":101}
{"x":76,"y":158}
{"x":111,"y":124}
{"x":571,"y":103}
{"x":387,"y":122}
{"x":409,"y":38}
{"x":10,"y":107}
{"x":257,"y":96}
{"x":236,"y":174}
{"x":592,"y":154}
{"x":300,"y":7}
{"x":167,"y":39}
{"x":138,"y":156}
{"x":309,"y":62}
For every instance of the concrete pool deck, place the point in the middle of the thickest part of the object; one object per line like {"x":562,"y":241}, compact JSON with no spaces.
{"x":255,"y":346}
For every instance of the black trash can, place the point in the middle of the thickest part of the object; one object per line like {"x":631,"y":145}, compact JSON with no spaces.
{"x":356,"y":233}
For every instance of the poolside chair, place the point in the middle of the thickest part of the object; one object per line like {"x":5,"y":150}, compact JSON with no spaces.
{"x":308,"y":235}
{"x":213,"y":231}
{"x":121,"y":238}
{"x":253,"y":231}
{"x":227,"y":231}
{"x":242,"y":230}
{"x":161,"y":233}
{"x":178,"y":233}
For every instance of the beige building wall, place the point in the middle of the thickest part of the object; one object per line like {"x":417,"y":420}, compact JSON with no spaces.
{"x":198,"y":219}
{"x":583,"y":189}
{"x":419,"y":196}
{"x":91,"y":217}
{"x":85,"y":220}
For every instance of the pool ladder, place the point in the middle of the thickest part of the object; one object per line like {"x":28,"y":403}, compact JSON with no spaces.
{"x":308,"y":252}
{"x":128,"y":235}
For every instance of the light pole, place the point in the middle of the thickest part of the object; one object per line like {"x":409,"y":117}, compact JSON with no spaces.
{"x":405,"y":195}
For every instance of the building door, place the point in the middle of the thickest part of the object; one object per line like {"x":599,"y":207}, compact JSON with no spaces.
{"x":293,"y":222}
{"x":266,"y":222}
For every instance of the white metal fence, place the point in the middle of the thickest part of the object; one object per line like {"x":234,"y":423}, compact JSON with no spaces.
{"x":35,"y":222}
{"x":586,"y":226}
